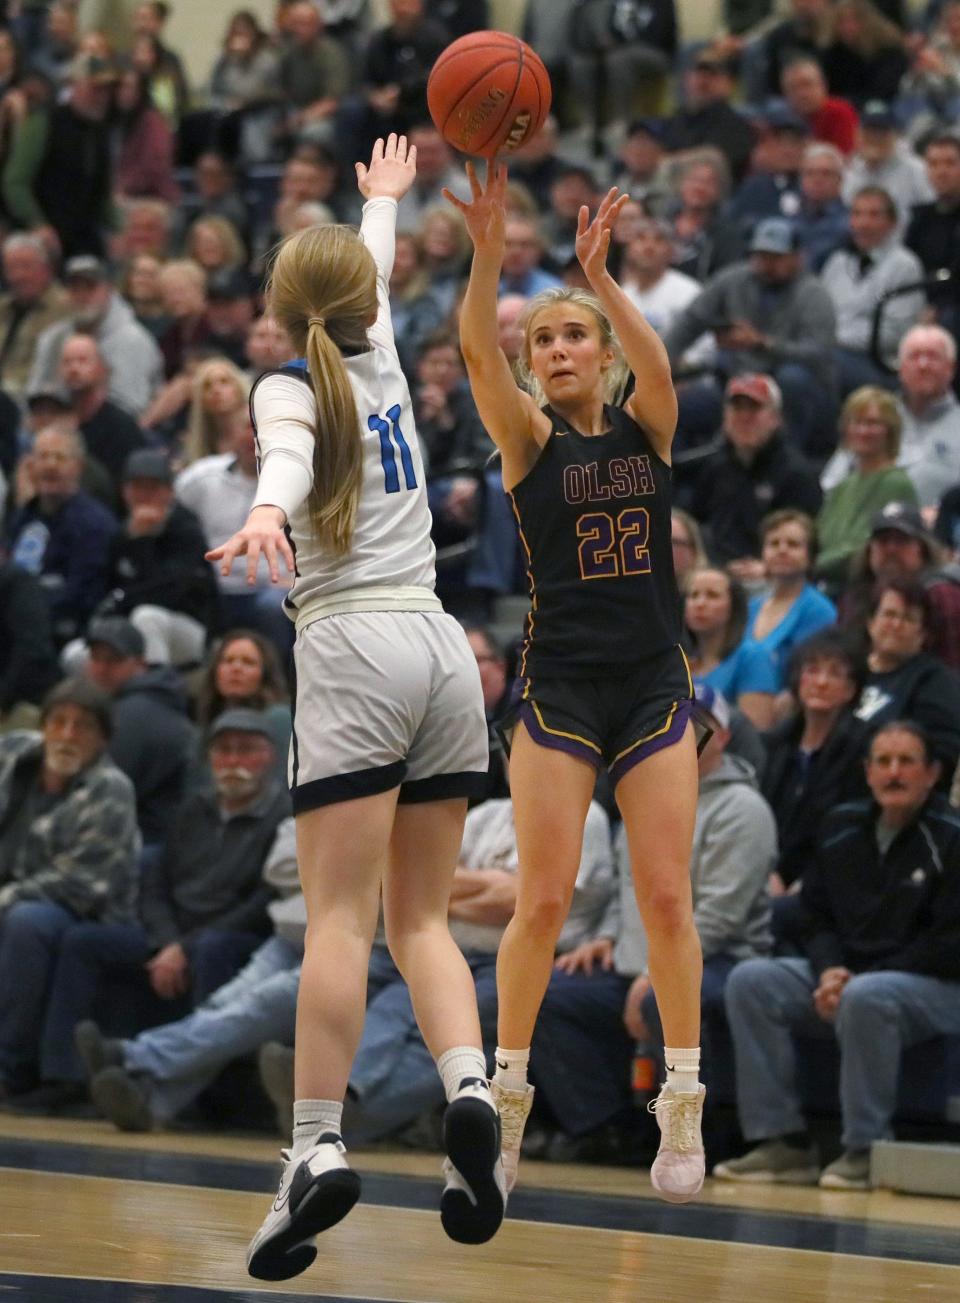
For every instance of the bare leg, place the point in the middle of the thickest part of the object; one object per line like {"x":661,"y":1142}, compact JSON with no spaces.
{"x":658,"y":801}
{"x":343,"y":854}
{"x":416,"y":896}
{"x":551,"y":793}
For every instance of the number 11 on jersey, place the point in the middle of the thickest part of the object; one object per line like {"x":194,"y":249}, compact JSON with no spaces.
{"x":388,"y":453}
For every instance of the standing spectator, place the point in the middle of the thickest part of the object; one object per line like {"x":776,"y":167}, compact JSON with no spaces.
{"x":866,"y":59}
{"x":749,"y":470}
{"x":28,"y":658}
{"x":870,"y":425}
{"x":770,"y":316}
{"x":614,"y":49}
{"x":707,"y":117}
{"x":141,"y":143}
{"x":156,"y":567}
{"x":830,"y":119}
{"x":314,"y":72}
{"x":109,"y":433}
{"x":32,"y":302}
{"x":162,"y":66}
{"x":135,"y":360}
{"x":59,"y":44}
{"x":821,"y":219}
{"x":884,"y":159}
{"x":59,"y":533}
{"x":881,"y":937}
{"x":152,"y":740}
{"x":245,"y":88}
{"x":858,"y":279}
{"x":69,"y":843}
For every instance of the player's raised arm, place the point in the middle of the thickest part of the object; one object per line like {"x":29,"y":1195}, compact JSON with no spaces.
{"x":506,"y":411}
{"x":653,"y":404}
{"x":389,"y":175}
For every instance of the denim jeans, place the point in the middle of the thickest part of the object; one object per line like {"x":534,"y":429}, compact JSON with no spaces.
{"x":182,"y":1058}
{"x":714,"y":1033}
{"x":880,"y":1015}
{"x":30,"y":935}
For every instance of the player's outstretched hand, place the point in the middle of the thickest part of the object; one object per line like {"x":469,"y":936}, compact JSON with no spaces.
{"x":593,"y":238}
{"x":263,"y":533}
{"x":391,"y":171}
{"x":485,"y":212}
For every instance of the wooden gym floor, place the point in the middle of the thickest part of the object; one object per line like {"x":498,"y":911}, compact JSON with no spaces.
{"x":88,"y":1215}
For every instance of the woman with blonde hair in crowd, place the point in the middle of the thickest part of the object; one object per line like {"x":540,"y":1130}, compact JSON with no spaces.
{"x":220,"y":390}
{"x":866,"y":58}
{"x":870,"y":428}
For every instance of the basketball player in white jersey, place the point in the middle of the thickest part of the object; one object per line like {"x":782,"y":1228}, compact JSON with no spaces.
{"x":389,"y":737}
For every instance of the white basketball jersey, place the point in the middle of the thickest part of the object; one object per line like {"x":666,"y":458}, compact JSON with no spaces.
{"x":391,"y":547}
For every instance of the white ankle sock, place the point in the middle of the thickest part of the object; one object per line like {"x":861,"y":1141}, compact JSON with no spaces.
{"x":311,"y":1118}
{"x":511,"y":1070}
{"x":683,"y":1069}
{"x":462,"y":1061}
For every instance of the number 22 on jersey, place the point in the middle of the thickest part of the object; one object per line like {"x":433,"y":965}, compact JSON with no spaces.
{"x":609,"y":548}
{"x":392,"y":440}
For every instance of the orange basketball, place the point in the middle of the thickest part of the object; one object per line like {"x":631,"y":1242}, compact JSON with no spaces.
{"x":488,"y":93}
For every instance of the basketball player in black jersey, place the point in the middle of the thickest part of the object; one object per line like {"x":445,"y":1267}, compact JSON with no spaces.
{"x":604,"y":681}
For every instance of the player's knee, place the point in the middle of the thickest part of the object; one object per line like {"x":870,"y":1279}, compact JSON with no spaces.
{"x":667,"y":909}
{"x":544,"y":914}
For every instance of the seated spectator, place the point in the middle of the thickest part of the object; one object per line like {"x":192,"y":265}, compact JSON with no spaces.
{"x":934,"y":230}
{"x":60,"y":534}
{"x":268,"y":346}
{"x":807,"y":30}
{"x":821,"y":219}
{"x":870,"y":426}
{"x":492,"y":664}
{"x":747,"y":471}
{"x":574,"y":187}
{"x":164,"y":67}
{"x":880,"y":971}
{"x":445,"y":246}
{"x":69,"y":843}
{"x":156,"y":566}
{"x":146,"y":226}
{"x":244,"y":671}
{"x":152,"y":740}
{"x":245,"y":89}
{"x":769,"y":315}
{"x":830,"y":119}
{"x":639,"y":167}
{"x":183,"y":290}
{"x":109,"y":432}
{"x":715,"y":619}
{"x":866,"y":58}
{"x":213,"y":193}
{"x":884,"y":160}
{"x":98,"y":310}
{"x":231,"y":307}
{"x":773,"y":187}
{"x":814,"y":762}
{"x":860,"y":279}
{"x":688,"y":549}
{"x":142,"y":143}
{"x":59,"y":44}
{"x":147,"y":1080}
{"x":437,"y":170}
{"x":929,"y":91}
{"x":536,"y":163}
{"x":214,"y":244}
{"x":451,"y":434}
{"x":659,"y":290}
{"x":314,"y":72}
{"x":523,"y":251}
{"x":393,"y":1080}
{"x":417,"y":310}
{"x":613,"y":49}
{"x":791,"y":608}
{"x":28,"y":658}
{"x":203,"y":905}
{"x":707,"y":117}
{"x":220,"y":392}
{"x":140,"y":286}
{"x":600,"y":1001}
{"x":219,"y":490}
{"x":704,"y":239}
{"x":903,"y":680}
{"x":32,"y":302}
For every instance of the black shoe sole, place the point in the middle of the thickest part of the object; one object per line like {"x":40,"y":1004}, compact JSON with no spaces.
{"x":471,"y":1137}
{"x":326,"y":1202}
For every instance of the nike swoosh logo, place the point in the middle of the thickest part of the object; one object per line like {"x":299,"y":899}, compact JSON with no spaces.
{"x":505,"y":1066}
{"x":280,"y":1203}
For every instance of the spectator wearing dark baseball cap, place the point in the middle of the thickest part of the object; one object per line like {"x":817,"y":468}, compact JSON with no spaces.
{"x":706,"y":117}
{"x":883,"y":158}
{"x":153,"y":740}
{"x":769,"y":315}
{"x":231,"y":307}
{"x":638,"y":170}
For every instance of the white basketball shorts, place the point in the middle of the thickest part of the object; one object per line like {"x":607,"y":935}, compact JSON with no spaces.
{"x":386,"y":699}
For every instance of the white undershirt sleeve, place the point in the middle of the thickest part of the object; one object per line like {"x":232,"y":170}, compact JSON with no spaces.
{"x":378,"y":230}
{"x":285,"y":412}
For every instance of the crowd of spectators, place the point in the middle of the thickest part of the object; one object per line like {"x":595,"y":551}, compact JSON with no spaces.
{"x":794,"y":236}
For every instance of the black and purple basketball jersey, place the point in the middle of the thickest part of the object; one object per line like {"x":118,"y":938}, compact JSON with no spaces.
{"x":594,"y":516}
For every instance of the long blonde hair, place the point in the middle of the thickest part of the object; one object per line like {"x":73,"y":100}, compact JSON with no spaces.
{"x":615,"y":377}
{"x":323,"y":289}
{"x":203,"y":430}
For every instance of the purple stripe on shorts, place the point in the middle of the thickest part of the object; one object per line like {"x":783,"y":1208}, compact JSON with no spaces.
{"x":667,"y":738}
{"x":557,"y":742}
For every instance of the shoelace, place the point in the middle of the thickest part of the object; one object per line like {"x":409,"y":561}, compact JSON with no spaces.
{"x":680,"y":1117}
{"x":513,"y":1115}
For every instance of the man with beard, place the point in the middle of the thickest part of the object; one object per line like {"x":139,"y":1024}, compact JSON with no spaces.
{"x":68,"y":848}
{"x":203,"y":907}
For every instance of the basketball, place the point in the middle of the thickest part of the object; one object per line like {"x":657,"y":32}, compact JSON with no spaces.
{"x":488,"y":93}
